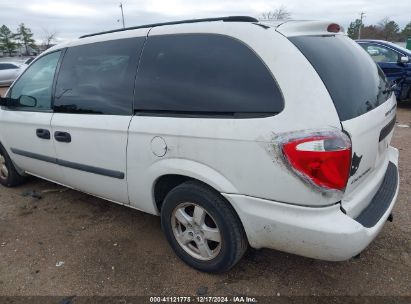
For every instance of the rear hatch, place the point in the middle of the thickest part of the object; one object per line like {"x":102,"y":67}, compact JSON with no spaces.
{"x":361,"y":95}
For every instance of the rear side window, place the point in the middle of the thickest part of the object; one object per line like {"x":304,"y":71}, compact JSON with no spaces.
{"x":356,"y":84}
{"x":204,"y":74}
{"x":98,"y":78}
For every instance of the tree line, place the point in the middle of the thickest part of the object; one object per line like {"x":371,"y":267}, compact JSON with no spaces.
{"x":10,"y":41}
{"x":386,"y":29}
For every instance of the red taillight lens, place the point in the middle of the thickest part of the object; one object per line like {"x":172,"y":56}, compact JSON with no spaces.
{"x":324,"y":160}
{"x":333,"y":28}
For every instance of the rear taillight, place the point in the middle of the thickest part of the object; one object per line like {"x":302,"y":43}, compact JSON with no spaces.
{"x":322,"y":158}
{"x":333,"y":28}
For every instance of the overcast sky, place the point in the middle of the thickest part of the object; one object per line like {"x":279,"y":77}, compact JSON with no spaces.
{"x":73,"y":18}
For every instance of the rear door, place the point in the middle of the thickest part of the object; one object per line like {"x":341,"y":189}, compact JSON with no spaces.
{"x":93,"y":109}
{"x":365,"y":106}
{"x":25,"y":122}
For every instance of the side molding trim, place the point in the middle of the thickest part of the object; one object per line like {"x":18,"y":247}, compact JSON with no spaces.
{"x":68,"y":164}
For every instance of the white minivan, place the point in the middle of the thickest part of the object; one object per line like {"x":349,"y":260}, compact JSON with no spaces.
{"x":236,"y":132}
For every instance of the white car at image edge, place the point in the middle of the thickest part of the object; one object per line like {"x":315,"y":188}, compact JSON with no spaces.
{"x":9,"y":71}
{"x":236,"y":132}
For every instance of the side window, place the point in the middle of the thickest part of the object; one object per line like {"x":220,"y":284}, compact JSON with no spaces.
{"x":204,"y":73}
{"x":98,"y":78}
{"x":36,"y":84}
{"x":381,"y":54}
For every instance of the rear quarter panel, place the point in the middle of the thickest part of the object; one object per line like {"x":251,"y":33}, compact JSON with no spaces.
{"x":240,"y":153}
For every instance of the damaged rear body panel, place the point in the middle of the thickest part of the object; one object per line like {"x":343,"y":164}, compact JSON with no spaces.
{"x":345,"y":92}
{"x":366,"y":108}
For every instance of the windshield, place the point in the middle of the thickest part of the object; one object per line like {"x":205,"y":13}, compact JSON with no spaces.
{"x":356,"y":84}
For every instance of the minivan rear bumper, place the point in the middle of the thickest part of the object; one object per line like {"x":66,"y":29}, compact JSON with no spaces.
{"x":324,"y":233}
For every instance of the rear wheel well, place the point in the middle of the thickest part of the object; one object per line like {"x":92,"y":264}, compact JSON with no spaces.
{"x":165,"y":184}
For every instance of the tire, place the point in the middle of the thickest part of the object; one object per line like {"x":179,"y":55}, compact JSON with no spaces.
{"x":202,"y":228}
{"x":9,"y":176}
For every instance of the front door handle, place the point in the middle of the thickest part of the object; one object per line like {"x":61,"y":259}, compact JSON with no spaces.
{"x":62,"y":136}
{"x":43,"y":133}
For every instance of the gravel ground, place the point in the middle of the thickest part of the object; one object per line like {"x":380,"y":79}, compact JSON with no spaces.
{"x":70,"y":243}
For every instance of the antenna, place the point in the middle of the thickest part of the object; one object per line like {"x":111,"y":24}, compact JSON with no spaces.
{"x":362,"y":16}
{"x":122,"y":14}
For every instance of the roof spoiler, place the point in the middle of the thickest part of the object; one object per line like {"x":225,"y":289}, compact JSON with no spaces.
{"x":305,"y":28}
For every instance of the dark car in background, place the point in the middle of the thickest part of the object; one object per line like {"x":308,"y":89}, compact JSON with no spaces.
{"x":395,"y":61}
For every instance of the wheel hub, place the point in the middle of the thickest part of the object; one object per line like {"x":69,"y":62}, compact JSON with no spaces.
{"x":196,"y":231}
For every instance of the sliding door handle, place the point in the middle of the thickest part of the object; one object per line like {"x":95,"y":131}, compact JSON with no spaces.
{"x":43,"y":133}
{"x":62,"y":136}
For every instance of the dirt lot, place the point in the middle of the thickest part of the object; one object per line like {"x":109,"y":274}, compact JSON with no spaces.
{"x":69,"y":243}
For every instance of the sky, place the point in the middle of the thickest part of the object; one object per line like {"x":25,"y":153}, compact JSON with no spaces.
{"x":73,"y":18}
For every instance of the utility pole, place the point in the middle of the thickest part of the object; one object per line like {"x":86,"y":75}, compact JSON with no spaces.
{"x":359,"y":30}
{"x":122,"y":14}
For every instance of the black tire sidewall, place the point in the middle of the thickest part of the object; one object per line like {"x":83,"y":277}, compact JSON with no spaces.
{"x":13,"y":178}
{"x":3,"y":152}
{"x":210,"y":202}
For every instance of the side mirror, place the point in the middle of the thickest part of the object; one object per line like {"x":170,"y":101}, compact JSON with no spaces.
{"x":404,"y":59}
{"x":27,"y":101}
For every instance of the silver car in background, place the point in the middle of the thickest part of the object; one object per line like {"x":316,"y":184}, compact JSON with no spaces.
{"x":9,"y":71}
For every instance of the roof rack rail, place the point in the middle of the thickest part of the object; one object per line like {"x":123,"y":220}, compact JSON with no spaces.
{"x":225,"y":19}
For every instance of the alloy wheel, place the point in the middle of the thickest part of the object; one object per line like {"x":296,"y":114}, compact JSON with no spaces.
{"x":196,"y":231}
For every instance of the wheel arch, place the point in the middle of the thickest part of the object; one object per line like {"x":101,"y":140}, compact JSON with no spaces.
{"x":173,"y":172}
{"x":18,"y":169}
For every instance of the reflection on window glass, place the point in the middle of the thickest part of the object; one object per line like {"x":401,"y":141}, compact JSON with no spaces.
{"x":380,"y":54}
{"x":204,"y":73}
{"x":356,"y":84}
{"x":37,"y":82}
{"x":98,"y":78}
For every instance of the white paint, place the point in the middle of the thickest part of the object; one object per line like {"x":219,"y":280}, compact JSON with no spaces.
{"x":96,"y":140}
{"x":158,"y":146}
{"x":321,"y":233}
{"x":365,"y":131}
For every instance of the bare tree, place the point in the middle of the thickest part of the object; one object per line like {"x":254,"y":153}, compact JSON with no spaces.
{"x":389,"y":29}
{"x":281,"y":13}
{"x":49,"y":37}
